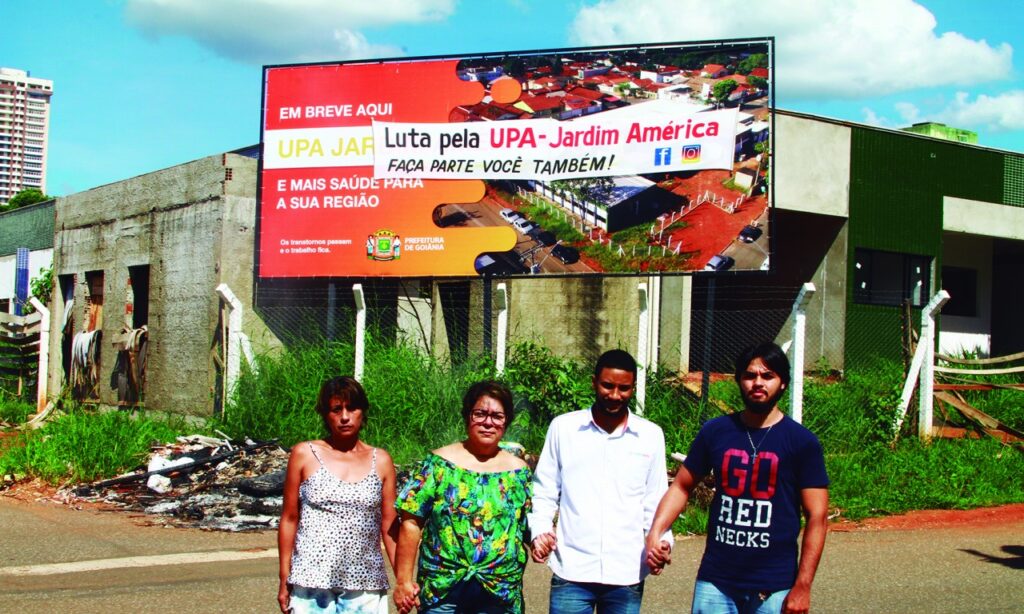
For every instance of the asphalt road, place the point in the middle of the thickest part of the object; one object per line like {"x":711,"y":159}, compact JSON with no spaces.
{"x":54,"y":558}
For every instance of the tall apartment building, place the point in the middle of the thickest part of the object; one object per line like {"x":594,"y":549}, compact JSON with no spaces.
{"x":24,"y":127}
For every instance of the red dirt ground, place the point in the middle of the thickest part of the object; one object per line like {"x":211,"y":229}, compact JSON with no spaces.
{"x":709,"y":228}
{"x":938,"y":519}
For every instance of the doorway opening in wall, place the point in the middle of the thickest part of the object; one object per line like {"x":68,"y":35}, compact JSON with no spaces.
{"x":138,"y":277}
{"x":129,"y":375}
{"x":66,"y":285}
{"x":86,"y":344}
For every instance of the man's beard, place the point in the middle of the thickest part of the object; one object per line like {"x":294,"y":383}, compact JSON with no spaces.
{"x":762,"y":407}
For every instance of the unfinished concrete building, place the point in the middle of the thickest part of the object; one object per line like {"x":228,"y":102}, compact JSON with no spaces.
{"x":136,"y":316}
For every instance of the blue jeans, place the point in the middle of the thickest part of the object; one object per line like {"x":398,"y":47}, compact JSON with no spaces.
{"x":467,"y":598}
{"x":582,"y":597}
{"x":709,"y":598}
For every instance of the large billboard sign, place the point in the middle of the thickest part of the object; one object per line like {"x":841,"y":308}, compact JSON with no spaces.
{"x":650,"y":158}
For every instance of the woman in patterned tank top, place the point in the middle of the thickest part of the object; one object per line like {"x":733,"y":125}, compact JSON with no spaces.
{"x":339,"y":497}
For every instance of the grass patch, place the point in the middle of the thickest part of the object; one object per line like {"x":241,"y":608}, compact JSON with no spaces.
{"x":550,"y":218}
{"x":416,"y":401}
{"x":15,"y":411}
{"x":82,"y":446}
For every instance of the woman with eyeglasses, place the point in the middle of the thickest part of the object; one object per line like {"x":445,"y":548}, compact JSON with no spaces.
{"x":464,"y":510}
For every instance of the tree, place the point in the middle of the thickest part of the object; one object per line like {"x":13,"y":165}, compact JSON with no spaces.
{"x":515,"y":67}
{"x":754,"y":60}
{"x":41,"y":287}
{"x":722,"y":90}
{"x":759,"y":82}
{"x":24,"y":198}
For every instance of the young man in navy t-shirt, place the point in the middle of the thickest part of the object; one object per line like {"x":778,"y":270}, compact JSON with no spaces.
{"x":766,"y":468}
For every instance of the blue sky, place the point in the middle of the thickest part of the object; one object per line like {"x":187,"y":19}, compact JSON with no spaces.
{"x":145,"y":84}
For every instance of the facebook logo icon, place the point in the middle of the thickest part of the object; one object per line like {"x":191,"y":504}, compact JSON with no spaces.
{"x":662,"y":156}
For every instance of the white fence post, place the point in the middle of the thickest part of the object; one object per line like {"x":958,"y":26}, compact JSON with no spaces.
{"x":796,"y":391}
{"x":923,"y":353}
{"x":357,"y":291}
{"x":927,"y":383}
{"x":641,"y":350}
{"x":44,"y":353}
{"x":501,"y":302}
{"x":234,"y":358}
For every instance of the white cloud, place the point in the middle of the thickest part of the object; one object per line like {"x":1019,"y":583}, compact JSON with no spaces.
{"x":280,"y":31}
{"x":994,"y":114}
{"x":874,"y":119}
{"x":908,"y":112}
{"x":825,"y":48}
{"x":1000,"y":113}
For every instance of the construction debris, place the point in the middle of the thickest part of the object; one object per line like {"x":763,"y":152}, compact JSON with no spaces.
{"x":202,"y":482}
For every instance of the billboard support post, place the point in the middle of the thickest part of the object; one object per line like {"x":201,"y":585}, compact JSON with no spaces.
{"x":357,"y":293}
{"x":641,"y":349}
{"x":487,"y":308}
{"x":332,"y":303}
{"x":501,"y":302}
{"x":709,"y":321}
{"x":796,"y":393}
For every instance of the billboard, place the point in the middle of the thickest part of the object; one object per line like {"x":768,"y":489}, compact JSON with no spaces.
{"x":649,"y":158}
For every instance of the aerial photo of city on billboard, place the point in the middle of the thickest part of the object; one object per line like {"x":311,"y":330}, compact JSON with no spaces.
{"x":650,"y":158}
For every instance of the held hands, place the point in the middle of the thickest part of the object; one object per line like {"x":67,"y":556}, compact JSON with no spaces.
{"x":407,"y":596}
{"x":542,"y":547}
{"x":659,"y":554}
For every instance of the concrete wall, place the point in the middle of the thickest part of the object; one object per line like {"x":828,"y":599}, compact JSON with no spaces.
{"x":193,"y":226}
{"x":812,"y":165}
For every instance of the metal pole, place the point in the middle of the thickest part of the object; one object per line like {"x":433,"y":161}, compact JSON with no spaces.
{"x":501,"y":301}
{"x":357,"y":292}
{"x":641,"y":349}
{"x":796,"y":391}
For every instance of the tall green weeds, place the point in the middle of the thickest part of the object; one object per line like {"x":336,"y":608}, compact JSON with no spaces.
{"x":82,"y":446}
{"x":416,"y":401}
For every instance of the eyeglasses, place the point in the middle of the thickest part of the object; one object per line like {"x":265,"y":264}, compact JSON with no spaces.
{"x":480,"y":416}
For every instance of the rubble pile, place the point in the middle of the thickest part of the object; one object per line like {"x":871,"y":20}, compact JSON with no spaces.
{"x":202,"y":482}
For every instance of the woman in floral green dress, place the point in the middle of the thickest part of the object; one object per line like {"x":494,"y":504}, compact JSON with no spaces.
{"x":465,"y":510}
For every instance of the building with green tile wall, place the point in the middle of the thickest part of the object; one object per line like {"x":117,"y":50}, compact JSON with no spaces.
{"x":874,"y":217}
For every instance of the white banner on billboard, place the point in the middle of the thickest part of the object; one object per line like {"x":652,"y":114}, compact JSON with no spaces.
{"x":647,"y":138}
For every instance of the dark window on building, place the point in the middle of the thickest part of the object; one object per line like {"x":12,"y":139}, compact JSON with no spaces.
{"x":889,"y":278}
{"x":138,"y":277}
{"x":962,"y":285}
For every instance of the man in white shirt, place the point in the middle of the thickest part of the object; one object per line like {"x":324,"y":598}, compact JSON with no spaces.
{"x":603,"y":471}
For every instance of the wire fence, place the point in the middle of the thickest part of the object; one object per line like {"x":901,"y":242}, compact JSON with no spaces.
{"x":698,"y":324}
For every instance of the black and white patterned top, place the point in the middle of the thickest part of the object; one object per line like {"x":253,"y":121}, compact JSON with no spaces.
{"x":337,"y":545}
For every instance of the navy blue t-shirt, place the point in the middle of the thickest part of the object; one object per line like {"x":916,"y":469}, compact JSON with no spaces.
{"x":754,"y":519}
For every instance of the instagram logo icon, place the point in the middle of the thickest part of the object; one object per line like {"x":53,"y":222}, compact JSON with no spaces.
{"x":691,"y":154}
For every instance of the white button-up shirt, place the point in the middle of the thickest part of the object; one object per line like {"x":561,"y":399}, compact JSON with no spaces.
{"x":605,"y":488}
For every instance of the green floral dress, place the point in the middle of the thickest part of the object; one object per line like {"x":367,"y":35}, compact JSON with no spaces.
{"x":474,"y":528}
